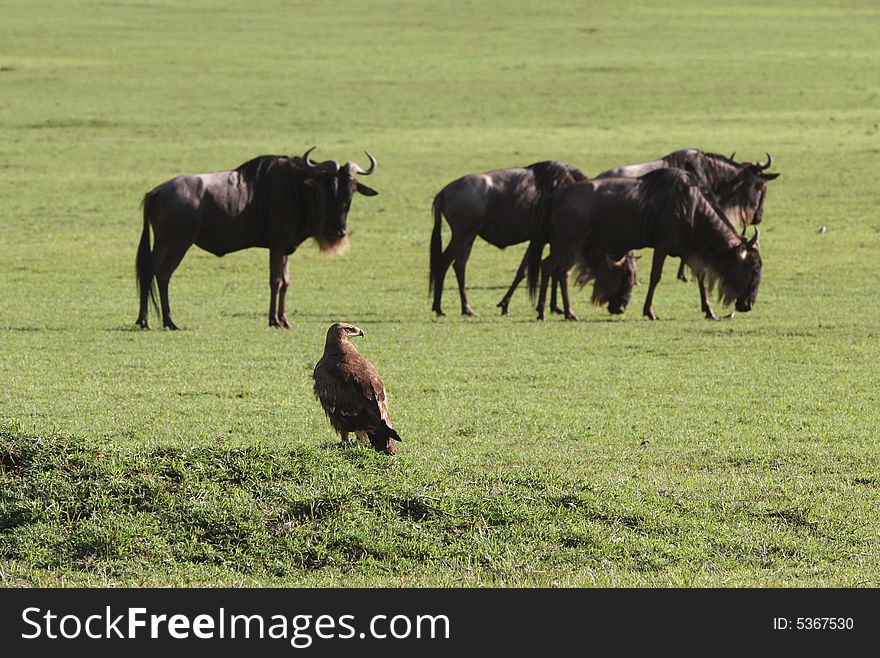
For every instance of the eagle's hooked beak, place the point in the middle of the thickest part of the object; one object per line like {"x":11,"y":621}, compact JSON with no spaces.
{"x":361,"y":332}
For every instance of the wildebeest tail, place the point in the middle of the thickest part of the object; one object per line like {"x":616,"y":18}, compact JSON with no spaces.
{"x":436,"y":242}
{"x":144,"y":261}
{"x":381,"y":437}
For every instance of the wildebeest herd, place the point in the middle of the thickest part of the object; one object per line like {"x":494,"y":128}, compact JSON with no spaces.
{"x":689,"y":204}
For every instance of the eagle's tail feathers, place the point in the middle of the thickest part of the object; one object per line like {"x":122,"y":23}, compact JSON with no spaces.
{"x":383,"y":437}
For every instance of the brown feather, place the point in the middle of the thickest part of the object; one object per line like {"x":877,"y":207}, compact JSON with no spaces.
{"x":350,"y":390}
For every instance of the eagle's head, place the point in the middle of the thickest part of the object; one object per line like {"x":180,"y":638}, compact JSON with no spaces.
{"x":340,"y":332}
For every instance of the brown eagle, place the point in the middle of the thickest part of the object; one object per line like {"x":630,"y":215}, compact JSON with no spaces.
{"x":349,"y":389}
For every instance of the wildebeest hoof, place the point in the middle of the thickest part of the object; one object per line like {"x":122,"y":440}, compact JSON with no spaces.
{"x":557,"y":310}
{"x":170,"y":326}
{"x":468,"y":311}
{"x":651,"y":315}
{"x":571,"y":317}
{"x":730,"y":315}
{"x":684,"y":278}
{"x":143,"y":324}
{"x":503,"y":306}
{"x":710,"y":315}
{"x":438,"y":312}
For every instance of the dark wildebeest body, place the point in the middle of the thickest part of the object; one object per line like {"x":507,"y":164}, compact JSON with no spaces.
{"x":504,"y":207}
{"x":665,"y":209}
{"x":729,"y":181}
{"x":274,"y":202}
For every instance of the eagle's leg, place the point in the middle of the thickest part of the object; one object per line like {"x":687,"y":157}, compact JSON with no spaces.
{"x":362,"y":437}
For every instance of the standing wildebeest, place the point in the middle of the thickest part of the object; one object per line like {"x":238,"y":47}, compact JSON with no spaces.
{"x":728,"y":180}
{"x":731,"y":183}
{"x":504,"y":207}
{"x":665,"y":209}
{"x":272,"y":201}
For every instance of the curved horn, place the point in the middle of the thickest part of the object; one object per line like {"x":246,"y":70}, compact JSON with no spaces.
{"x":761,"y":166}
{"x":355,"y":168}
{"x":732,"y":156}
{"x":753,"y":241}
{"x":307,"y":160}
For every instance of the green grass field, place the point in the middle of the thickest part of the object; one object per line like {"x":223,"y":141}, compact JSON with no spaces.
{"x":610,"y":452}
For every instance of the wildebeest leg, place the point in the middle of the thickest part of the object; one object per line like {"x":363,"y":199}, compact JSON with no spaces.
{"x":166,"y":258}
{"x":142,"y":321}
{"x":546,"y":266}
{"x":517,"y":279}
{"x":554,"y":307}
{"x":682,"y":272}
{"x":459,"y":267}
{"x":278,"y":275}
{"x":453,"y":251}
{"x":656,"y":273}
{"x":282,"y":293}
{"x":566,"y":303}
{"x":704,"y":298}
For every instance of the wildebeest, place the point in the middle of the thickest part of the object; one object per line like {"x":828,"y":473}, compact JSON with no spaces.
{"x":732,"y":183}
{"x":504,"y":207}
{"x":272,"y":201}
{"x":665,"y":209}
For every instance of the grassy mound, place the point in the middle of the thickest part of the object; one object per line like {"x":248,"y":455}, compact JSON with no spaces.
{"x":73,"y":513}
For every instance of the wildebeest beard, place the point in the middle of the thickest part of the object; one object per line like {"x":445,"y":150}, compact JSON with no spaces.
{"x":734,"y":269}
{"x":613,"y":279}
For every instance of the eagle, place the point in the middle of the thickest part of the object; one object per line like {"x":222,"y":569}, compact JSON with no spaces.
{"x":351,"y":393}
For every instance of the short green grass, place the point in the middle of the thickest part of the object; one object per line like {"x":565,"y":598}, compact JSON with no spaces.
{"x":613,"y":451}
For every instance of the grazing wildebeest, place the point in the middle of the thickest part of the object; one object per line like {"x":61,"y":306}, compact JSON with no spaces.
{"x":272,"y":201}
{"x":665,"y":209}
{"x":731,"y":182}
{"x":733,"y":185}
{"x":504,"y":207}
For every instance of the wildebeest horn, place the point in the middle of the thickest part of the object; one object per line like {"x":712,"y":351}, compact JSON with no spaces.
{"x":330,"y":166}
{"x":754,"y":239}
{"x":761,"y":167}
{"x":732,"y":155}
{"x":355,"y":168}
{"x":308,"y":160}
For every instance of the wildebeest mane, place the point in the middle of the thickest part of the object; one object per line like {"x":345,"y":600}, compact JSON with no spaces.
{"x":711,"y":219}
{"x":550,"y":176}
{"x":262,"y":184}
{"x":711,"y":169}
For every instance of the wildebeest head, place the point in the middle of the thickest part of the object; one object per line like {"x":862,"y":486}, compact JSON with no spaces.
{"x":744,"y":197}
{"x":743,"y":276}
{"x":335,"y":186}
{"x":613,"y":278}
